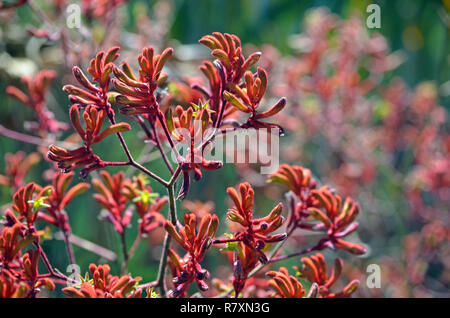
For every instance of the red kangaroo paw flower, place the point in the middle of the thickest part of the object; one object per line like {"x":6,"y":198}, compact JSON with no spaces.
{"x":105,"y":285}
{"x":315,"y":270}
{"x":137,"y":93}
{"x":285,"y":285}
{"x":186,"y":270}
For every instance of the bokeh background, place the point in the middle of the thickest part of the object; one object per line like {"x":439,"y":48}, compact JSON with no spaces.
{"x":381,"y":137}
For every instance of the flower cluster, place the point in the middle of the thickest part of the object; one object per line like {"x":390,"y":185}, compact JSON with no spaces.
{"x":37,"y":88}
{"x":227,"y":92}
{"x":256,"y":233}
{"x":285,"y":285}
{"x":83,"y":156}
{"x":188,"y":269}
{"x":148,"y":204}
{"x":336,"y":218}
{"x":17,"y":165}
{"x":60,"y":196}
{"x":19,"y":275}
{"x":111,"y":197}
{"x":299,"y":181}
{"x":104,"y":285}
{"x":137,"y":94}
{"x":315,"y":270}
{"x":247,"y":100}
{"x":189,"y":127}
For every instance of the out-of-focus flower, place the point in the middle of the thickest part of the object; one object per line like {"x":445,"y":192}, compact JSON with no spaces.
{"x":337,"y":220}
{"x":17,"y":165}
{"x":148,"y":204}
{"x":37,"y":88}
{"x":60,"y":196}
{"x":111,"y":196}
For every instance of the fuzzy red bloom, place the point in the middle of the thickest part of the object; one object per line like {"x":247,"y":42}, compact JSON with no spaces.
{"x":100,"y":69}
{"x":16,"y":271}
{"x":255,"y":235}
{"x":189,"y":127}
{"x":148,"y":204}
{"x":60,"y":196}
{"x":12,"y":243}
{"x":315,"y":270}
{"x":84,"y":157}
{"x":110,"y":196}
{"x":26,"y":206}
{"x":11,"y":286}
{"x":30,"y":272}
{"x":17,"y":166}
{"x":227,"y":49}
{"x":248,"y":99}
{"x":299,"y":181}
{"x":37,"y":88}
{"x":137,"y":94}
{"x":335,"y":219}
{"x":285,"y":285}
{"x":105,"y":285}
{"x":188,"y":269}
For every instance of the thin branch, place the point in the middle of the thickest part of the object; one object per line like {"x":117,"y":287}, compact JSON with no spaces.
{"x":89,"y":246}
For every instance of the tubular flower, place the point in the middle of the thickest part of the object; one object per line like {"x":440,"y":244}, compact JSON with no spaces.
{"x":247,"y":100}
{"x":11,"y":286}
{"x":285,"y":285}
{"x":16,"y":271}
{"x":12,"y":243}
{"x":137,"y":94}
{"x":336,"y":221}
{"x":84,"y":157}
{"x":30,"y":272}
{"x":245,"y":260}
{"x":188,"y":269}
{"x":255,"y":236}
{"x":148,"y":204}
{"x":37,"y":88}
{"x":315,"y":270}
{"x":256,"y":233}
{"x":188,"y":127}
{"x":110,"y":196}
{"x":295,"y":178}
{"x":17,"y":166}
{"x":105,"y":285}
{"x":26,"y":206}
{"x":100,"y":69}
{"x":58,"y":199}
{"x":298,"y":180}
{"x":227,"y":49}
{"x":214,"y":93}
